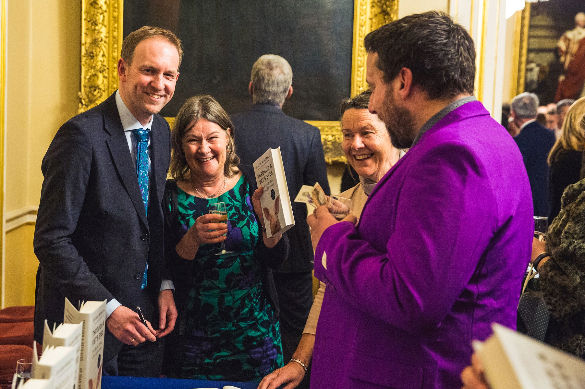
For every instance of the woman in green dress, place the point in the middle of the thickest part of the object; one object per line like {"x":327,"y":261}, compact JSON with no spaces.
{"x":227,"y":327}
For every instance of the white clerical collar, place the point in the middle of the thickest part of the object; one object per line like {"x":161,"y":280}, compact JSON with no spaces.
{"x":129,"y":122}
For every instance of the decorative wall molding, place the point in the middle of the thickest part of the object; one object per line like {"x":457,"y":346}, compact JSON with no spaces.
{"x":3,"y":29}
{"x":20,"y":217}
{"x":101,"y":41}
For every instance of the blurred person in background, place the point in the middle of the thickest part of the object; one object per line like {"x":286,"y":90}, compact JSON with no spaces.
{"x":566,"y":156}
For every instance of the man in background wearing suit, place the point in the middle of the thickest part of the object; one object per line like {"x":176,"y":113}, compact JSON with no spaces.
{"x":265,"y":126}
{"x":99,"y":230}
{"x":535,"y":142}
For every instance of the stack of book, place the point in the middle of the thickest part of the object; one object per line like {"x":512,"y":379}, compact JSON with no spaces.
{"x":93,"y":316}
{"x":72,"y":356}
{"x":32,"y":383}
{"x":58,"y":365}
{"x":67,"y":335}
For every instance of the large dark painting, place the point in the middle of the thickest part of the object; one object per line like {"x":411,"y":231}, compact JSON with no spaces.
{"x":222,"y":39}
{"x":548,"y":21}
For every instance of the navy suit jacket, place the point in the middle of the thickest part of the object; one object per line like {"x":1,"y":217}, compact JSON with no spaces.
{"x":92,"y":235}
{"x":266,"y":126}
{"x":535,"y":142}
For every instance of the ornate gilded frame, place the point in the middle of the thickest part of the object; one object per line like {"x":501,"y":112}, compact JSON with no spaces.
{"x":101,"y":40}
{"x":521,"y":42}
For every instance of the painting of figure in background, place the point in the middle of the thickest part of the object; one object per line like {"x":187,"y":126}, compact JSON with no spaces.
{"x":555,"y":62}
{"x":572,"y":56}
{"x":222,"y":39}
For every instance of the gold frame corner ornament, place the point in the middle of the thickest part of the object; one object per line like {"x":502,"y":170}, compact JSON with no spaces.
{"x":101,"y":41}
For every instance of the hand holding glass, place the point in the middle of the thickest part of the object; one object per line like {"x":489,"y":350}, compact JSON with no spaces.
{"x":540,"y":227}
{"x":219,"y":208}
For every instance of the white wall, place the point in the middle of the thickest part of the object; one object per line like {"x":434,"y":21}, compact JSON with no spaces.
{"x":408,"y":7}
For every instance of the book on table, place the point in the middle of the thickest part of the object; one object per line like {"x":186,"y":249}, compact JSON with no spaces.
{"x":56,"y":364}
{"x":275,"y":201}
{"x":34,"y":383}
{"x":65,"y":334}
{"x":93,"y":316}
{"x":514,"y":360}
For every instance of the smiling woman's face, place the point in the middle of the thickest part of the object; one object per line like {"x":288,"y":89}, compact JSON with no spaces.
{"x":366,"y":143}
{"x":205,"y":145}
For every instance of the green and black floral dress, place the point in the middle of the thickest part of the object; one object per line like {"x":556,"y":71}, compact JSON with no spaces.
{"x":227,"y":327}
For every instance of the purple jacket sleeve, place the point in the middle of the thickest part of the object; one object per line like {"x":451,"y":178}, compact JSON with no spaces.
{"x":436,"y":230}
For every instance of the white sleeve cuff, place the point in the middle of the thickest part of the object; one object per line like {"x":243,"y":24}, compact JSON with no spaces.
{"x":167,"y":284}
{"x":111,"y":307}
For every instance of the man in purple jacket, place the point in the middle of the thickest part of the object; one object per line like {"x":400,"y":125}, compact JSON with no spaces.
{"x":445,"y":237}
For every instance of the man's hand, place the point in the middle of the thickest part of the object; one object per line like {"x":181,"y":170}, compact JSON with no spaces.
{"x":320,"y":220}
{"x":472,"y":376}
{"x":126,"y":326}
{"x":290,"y":376}
{"x":168,"y":313}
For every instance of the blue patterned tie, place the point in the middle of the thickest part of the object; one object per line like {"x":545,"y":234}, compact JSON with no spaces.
{"x":142,"y":168}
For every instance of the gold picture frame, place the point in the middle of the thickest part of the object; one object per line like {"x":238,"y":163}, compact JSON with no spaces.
{"x":538,"y":29}
{"x":101,"y":40}
{"x":521,"y":42}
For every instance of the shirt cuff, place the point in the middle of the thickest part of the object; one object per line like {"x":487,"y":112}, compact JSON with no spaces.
{"x":167,"y":284}
{"x":111,"y":307}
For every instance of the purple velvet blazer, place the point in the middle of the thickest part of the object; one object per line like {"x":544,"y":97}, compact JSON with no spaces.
{"x":439,"y":253}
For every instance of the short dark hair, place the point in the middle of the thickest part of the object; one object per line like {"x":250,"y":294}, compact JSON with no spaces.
{"x":360,"y":101}
{"x":195,"y":108}
{"x":146,"y":32}
{"x":439,"y":53}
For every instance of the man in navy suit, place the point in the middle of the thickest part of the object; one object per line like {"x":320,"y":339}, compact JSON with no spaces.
{"x":99,"y":231}
{"x":266,"y":126}
{"x":535,"y":142}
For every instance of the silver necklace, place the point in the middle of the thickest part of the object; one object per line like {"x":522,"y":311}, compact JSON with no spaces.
{"x":205,"y":195}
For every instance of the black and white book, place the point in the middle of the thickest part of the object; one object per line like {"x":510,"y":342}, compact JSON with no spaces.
{"x":93,"y":316}
{"x":56,"y":364}
{"x":276,"y":207}
{"x":514,"y":360}
{"x":66,"y":334}
{"x":33,"y":383}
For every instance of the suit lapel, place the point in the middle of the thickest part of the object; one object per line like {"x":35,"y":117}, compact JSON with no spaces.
{"x":118,"y":146}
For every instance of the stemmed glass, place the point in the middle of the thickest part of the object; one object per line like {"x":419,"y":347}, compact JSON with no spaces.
{"x":219,"y":208}
{"x":540,"y":227}
{"x":23,"y":372}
